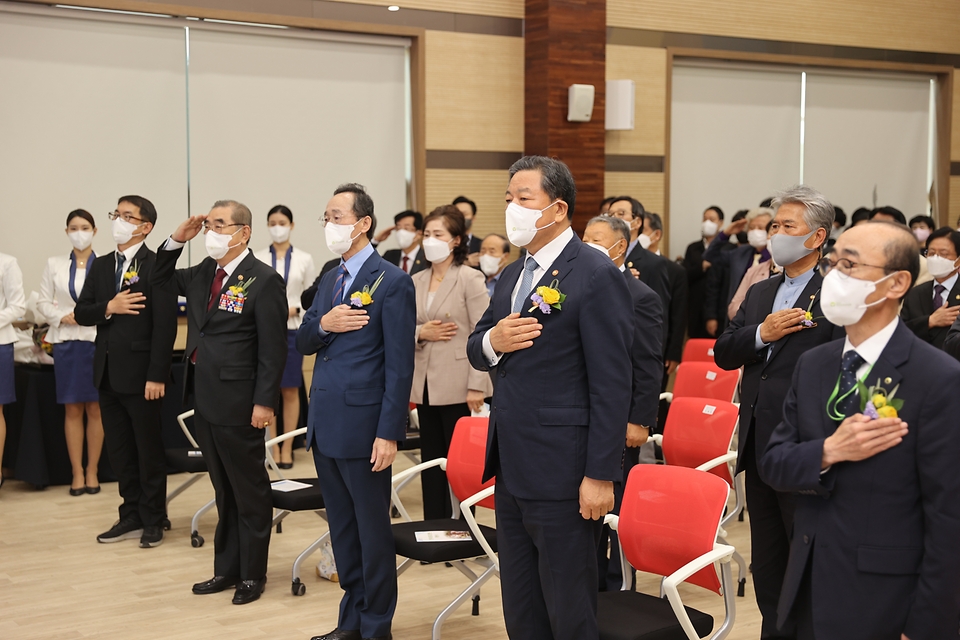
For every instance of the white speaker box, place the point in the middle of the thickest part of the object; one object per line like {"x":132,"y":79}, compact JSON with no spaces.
{"x":621,"y":96}
{"x":580,"y":102}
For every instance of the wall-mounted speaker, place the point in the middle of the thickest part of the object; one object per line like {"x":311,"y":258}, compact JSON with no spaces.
{"x":580,"y":102}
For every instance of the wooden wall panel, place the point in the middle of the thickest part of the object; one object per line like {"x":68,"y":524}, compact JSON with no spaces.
{"x":931,"y":25}
{"x":955,"y":126}
{"x":648,"y":188}
{"x":647,"y":67}
{"x":502,"y":8}
{"x":954,"y":214}
{"x":474,"y":92}
{"x":486,"y":188}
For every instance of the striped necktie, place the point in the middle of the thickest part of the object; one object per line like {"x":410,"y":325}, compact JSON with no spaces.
{"x":338,"y":285}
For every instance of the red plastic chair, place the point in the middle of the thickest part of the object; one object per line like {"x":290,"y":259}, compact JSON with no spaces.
{"x":698,"y":350}
{"x":464,"y":467}
{"x":668,"y":526}
{"x":698,"y":434}
{"x":704,"y":380}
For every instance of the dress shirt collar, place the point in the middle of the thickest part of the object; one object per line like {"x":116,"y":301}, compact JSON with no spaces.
{"x":130,"y":252}
{"x":355,"y":262}
{"x":231,"y":266}
{"x":801,"y":280}
{"x":947,"y":285}
{"x":623,"y":268}
{"x":871,"y":348}
{"x":551,"y":251}
{"x":412,"y":253}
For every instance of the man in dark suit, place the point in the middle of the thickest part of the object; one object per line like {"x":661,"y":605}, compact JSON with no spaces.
{"x":697,"y":270}
{"x":236,"y":350}
{"x":358,"y":408}
{"x":715,"y":293}
{"x":766,"y":338}
{"x":408,"y":226}
{"x":136,"y":326}
{"x":612,"y":235}
{"x":560,"y":405}
{"x":306,"y":298}
{"x":736,"y":262}
{"x":677,"y":279}
{"x":469,"y":210}
{"x":873,"y":555}
{"x":932,"y":307}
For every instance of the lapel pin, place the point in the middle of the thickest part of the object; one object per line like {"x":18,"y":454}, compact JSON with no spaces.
{"x":813,"y":297}
{"x":958,"y":296}
{"x":555,"y":272}
{"x":240,"y":277}
{"x":417,"y":262}
{"x":630,"y":264}
{"x":887,"y":380}
{"x":448,"y":315}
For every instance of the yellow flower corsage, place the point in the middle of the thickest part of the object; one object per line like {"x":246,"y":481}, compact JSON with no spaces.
{"x":364,"y":297}
{"x":547,"y":298}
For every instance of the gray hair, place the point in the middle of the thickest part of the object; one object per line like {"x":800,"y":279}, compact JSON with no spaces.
{"x":506,"y":243}
{"x":760,"y":211}
{"x":239,"y":212}
{"x":617,"y":225}
{"x":818,"y":212}
{"x":656,"y":223}
{"x":555,"y":178}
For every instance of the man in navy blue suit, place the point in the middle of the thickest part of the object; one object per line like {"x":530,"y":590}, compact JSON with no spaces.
{"x":361,"y":326}
{"x":559,"y":330}
{"x":874,"y":550}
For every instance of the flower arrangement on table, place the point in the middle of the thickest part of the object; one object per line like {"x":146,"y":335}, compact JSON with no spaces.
{"x":547,"y":298}
{"x":364,"y":297}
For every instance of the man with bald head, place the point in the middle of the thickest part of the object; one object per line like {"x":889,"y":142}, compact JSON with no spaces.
{"x":869,"y":446}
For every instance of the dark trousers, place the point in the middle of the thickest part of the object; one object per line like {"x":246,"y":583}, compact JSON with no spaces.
{"x":437,"y":423}
{"x":548,"y":568}
{"x":771,"y":525}
{"x":610,"y":571}
{"x":131,"y":429}
{"x":235,"y":458}
{"x":358,"y":509}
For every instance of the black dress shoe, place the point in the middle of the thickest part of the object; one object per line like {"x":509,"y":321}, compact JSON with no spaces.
{"x":216,"y":584}
{"x":340,"y":634}
{"x":389,"y":636}
{"x":285,"y":465}
{"x":249,"y":590}
{"x":78,"y":492}
{"x":92,"y":490}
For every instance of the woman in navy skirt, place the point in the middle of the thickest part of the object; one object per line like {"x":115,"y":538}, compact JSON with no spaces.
{"x":73,"y":349}
{"x":12,"y":307}
{"x":298,"y":271}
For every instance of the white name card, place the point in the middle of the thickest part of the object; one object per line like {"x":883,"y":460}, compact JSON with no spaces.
{"x":711,"y":375}
{"x":709,"y":409}
{"x":710,"y":351}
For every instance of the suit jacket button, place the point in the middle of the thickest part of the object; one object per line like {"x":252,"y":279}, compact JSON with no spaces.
{"x":201,"y":334}
{"x":503,"y":374}
{"x":763,"y":377}
{"x":806,"y":539}
{"x":326,"y":359}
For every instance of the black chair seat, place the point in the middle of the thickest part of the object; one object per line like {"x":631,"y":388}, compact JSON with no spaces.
{"x":627,"y":615}
{"x":181,"y":461}
{"x":306,"y":499}
{"x":405,"y":537}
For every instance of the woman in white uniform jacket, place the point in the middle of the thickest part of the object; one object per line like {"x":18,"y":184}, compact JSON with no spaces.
{"x":73,"y":350}
{"x":12,"y":306}
{"x":298,"y":271}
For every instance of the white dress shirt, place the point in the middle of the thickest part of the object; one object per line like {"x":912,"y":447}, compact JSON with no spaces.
{"x":302,"y":274}
{"x":410,"y":255}
{"x":12,"y":303}
{"x":55,"y":300}
{"x":947,"y":288}
{"x":871,"y":348}
{"x":545,"y":258}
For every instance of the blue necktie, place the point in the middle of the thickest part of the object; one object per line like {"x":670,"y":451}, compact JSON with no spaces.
{"x":119,"y":275}
{"x":850,"y":403}
{"x":526,"y":284}
{"x":338,"y":285}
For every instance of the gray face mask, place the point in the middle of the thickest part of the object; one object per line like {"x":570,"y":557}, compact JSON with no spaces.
{"x":785,"y":250}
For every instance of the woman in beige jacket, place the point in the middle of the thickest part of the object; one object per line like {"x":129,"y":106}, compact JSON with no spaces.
{"x":451,"y":298}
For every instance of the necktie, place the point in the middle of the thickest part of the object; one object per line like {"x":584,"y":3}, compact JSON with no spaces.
{"x":216,"y":287}
{"x":526,"y":284}
{"x":406,"y":261}
{"x":338,"y":285}
{"x":938,"y":296}
{"x":121,"y":259}
{"x":849,"y":402}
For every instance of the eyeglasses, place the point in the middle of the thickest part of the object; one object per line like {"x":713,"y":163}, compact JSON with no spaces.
{"x":218,"y":227}
{"x":942,"y":254}
{"x":126,"y":217}
{"x":826,"y":265}
{"x":338,"y":219}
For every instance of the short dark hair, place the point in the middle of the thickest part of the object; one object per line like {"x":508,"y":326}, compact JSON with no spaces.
{"x":506,"y":243}
{"x":839,"y":216}
{"x":454,"y":222}
{"x":147,"y":210}
{"x":860,"y":215}
{"x":765,"y":203}
{"x":927,"y":220}
{"x":890,"y":211}
{"x":950,"y":234}
{"x":285,"y":210}
{"x":410,"y":213}
{"x":740,"y":215}
{"x":636,"y":208}
{"x":606,"y":201}
{"x":362,"y":204}
{"x":81,"y":213}
{"x":901,"y":252}
{"x":465,"y":200}
{"x":656,"y":222}
{"x":555,"y":178}
{"x":714,"y":207}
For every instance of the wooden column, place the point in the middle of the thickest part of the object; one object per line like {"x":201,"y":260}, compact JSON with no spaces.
{"x":565,"y":42}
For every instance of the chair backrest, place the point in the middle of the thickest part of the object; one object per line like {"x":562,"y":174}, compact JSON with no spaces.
{"x":698,"y":350}
{"x":465,"y":459}
{"x":698,"y":430}
{"x":670,"y":516}
{"x":705,"y":380}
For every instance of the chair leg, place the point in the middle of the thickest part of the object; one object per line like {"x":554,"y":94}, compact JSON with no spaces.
{"x":183,"y":487}
{"x":306,"y":554}
{"x":406,"y":564}
{"x":467,"y":594}
{"x":196,"y":539}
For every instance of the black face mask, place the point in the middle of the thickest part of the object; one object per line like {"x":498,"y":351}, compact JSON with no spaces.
{"x":742,"y":237}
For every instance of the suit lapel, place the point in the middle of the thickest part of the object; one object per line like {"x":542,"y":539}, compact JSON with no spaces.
{"x":809,"y":294}
{"x":829,"y":375}
{"x":885,"y":371}
{"x":238,"y":276}
{"x":504,"y":289}
{"x":443,"y":291}
{"x":562,"y":266}
{"x":952,"y":299}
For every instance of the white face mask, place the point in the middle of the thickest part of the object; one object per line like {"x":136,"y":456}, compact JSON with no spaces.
{"x":940,"y":267}
{"x":843,"y":298}
{"x":644,"y":240}
{"x":280,"y":233}
{"x":218,"y":244}
{"x":757,"y":238}
{"x":490,"y":265}
{"x":708,"y":228}
{"x":786,"y":250}
{"x":435,"y":250}
{"x":123,"y":231}
{"x":81,"y":239}
{"x":405,"y":238}
{"x":604,"y":250}
{"x":338,"y":237}
{"x":522,"y":223}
